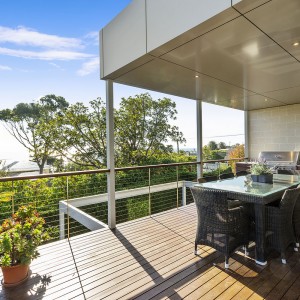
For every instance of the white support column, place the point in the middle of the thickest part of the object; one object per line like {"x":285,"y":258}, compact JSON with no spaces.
{"x":110,"y":153}
{"x":62,"y":211}
{"x":246,"y":130}
{"x":199,"y":137}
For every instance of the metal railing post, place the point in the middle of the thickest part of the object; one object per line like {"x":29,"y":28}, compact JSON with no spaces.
{"x":12,"y":198}
{"x":68,"y":217}
{"x":177,"y":200}
{"x":183,"y":193}
{"x":149,"y":195}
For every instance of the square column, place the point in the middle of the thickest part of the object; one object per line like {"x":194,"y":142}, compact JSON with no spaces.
{"x":110,"y":153}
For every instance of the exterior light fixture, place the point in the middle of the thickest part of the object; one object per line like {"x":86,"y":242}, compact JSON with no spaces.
{"x":296,"y":44}
{"x":196,"y":76}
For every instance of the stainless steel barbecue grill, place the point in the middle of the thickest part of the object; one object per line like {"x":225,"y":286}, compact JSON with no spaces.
{"x":280,"y":160}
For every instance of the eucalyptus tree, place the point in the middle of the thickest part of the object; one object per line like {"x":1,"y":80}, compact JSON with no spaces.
{"x":82,"y":132}
{"x":142,"y":129}
{"x":32,"y":125}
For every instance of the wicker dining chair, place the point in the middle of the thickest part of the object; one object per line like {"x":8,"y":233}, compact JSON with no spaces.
{"x":296,"y":220}
{"x":279,"y":226}
{"x":226,"y":175}
{"x":218,"y":226}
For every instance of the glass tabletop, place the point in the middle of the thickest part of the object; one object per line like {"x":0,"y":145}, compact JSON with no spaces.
{"x":238,"y":185}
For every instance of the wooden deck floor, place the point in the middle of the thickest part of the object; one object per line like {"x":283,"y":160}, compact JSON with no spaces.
{"x":152,"y":258}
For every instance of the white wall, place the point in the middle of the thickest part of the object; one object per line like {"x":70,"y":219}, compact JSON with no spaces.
{"x":274,"y":129}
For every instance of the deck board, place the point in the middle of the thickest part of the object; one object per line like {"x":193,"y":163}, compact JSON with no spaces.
{"x":152,"y":258}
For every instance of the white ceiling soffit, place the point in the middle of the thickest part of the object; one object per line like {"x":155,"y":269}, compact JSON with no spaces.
{"x":244,"y":58}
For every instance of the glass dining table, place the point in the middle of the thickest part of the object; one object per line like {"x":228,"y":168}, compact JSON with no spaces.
{"x":259,"y":194}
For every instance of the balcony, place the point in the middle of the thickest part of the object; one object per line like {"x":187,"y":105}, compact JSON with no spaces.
{"x":148,"y":257}
{"x":152,"y":258}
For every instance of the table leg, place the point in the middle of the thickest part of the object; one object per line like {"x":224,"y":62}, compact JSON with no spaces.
{"x":260,"y":234}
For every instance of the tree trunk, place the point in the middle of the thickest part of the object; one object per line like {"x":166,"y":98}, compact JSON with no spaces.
{"x":41,"y":167}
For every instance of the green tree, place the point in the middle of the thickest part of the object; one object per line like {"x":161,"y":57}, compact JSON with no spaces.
{"x":222,"y":145}
{"x":212,"y":145}
{"x":32,"y":125}
{"x":83,"y":134}
{"x":143,"y":128}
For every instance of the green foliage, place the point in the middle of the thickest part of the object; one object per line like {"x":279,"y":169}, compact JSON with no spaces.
{"x":224,"y":168}
{"x":143,"y":129}
{"x":209,"y":154}
{"x":222,"y":145}
{"x":83,"y":134}
{"x":212,"y":145}
{"x":260,"y":168}
{"x":33,"y":125}
{"x":20,"y":236}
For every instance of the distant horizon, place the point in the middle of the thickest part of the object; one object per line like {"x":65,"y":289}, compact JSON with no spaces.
{"x":174,"y":150}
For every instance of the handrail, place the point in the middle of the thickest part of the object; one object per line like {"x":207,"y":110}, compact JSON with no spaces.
{"x":50,"y":175}
{"x":99,"y":171}
{"x":177,"y":164}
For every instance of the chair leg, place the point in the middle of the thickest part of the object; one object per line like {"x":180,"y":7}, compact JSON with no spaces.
{"x":246,"y":249}
{"x":195,"y":251}
{"x":226,"y":262}
{"x":296,"y":248}
{"x":283,"y":259}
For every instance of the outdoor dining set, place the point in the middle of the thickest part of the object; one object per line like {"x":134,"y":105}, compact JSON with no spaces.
{"x":233,"y":212}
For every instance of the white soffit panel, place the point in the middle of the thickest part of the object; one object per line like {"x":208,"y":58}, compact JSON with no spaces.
{"x":168,"y":19}
{"x":260,"y":102}
{"x":244,"y":6}
{"x":124,"y":39}
{"x":240,"y":54}
{"x":281,"y":22}
{"x":288,"y":96}
{"x":160,"y":75}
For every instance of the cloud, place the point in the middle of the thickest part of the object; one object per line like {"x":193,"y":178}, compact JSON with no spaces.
{"x":56,"y":66}
{"x":92,"y":37}
{"x":29,"y":37}
{"x":45,"y":55}
{"x":89,"y":67}
{"x":5,"y":68}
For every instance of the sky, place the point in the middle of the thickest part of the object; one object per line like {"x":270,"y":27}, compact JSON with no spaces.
{"x":51,"y":47}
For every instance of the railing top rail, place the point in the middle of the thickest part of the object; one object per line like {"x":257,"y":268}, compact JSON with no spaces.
{"x":177,"y":164}
{"x":99,"y":171}
{"x":50,"y":175}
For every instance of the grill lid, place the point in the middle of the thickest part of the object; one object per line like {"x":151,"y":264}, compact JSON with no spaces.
{"x":280,"y":158}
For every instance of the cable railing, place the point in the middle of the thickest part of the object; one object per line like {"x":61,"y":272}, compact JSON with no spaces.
{"x":73,"y":203}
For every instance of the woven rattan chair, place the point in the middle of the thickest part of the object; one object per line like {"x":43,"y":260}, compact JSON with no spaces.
{"x":219,"y":227}
{"x":296,"y":220}
{"x":279,"y":227}
{"x":226,"y":175}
